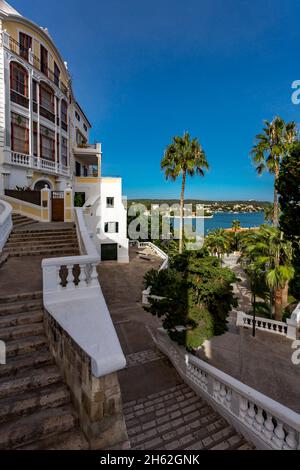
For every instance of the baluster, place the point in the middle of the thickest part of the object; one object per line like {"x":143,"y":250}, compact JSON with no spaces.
{"x":250,"y":414}
{"x":268,"y":427}
{"x":228,"y":398}
{"x":243,"y":408}
{"x":216,"y":389}
{"x":70,"y":277}
{"x":278,"y":436}
{"x":223,"y":393}
{"x":94,"y":275}
{"x":58,"y":279}
{"x":82,"y":279}
{"x":290,"y":440}
{"x":259,"y":420}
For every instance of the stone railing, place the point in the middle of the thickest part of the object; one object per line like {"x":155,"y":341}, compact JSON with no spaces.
{"x":40,"y":163}
{"x":83,"y":340}
{"x":261,"y":420}
{"x":6,"y":224}
{"x":288,"y":329}
{"x":146,"y":293}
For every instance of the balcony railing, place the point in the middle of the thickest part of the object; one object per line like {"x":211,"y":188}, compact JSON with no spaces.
{"x":47,"y":114}
{"x":64,"y":126}
{"x":19,"y":99}
{"x":27,"y":54}
{"x":37,"y":163}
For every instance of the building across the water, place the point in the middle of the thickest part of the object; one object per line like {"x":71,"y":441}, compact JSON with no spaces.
{"x":44,"y":136}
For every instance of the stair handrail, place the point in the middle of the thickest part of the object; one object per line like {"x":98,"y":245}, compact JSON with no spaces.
{"x":6,"y":223}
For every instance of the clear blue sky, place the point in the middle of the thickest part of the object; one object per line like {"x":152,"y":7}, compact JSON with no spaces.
{"x":145,"y":70}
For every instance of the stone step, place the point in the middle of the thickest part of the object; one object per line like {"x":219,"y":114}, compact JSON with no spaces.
{"x":44,"y":241}
{"x":44,"y":234}
{"x":27,"y":318}
{"x":22,"y":331}
{"x":43,"y":425}
{"x":20,"y":363}
{"x":35,"y":230}
{"x":25,"y":346}
{"x":46,"y":252}
{"x":22,"y":306}
{"x":73,"y":440}
{"x":29,"y":380}
{"x":25,"y":223}
{"x":31,"y":402}
{"x":4,"y":299}
{"x":43,"y":246}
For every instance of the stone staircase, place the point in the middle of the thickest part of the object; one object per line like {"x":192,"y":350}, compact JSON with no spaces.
{"x":37,"y":239}
{"x":178,"y":419}
{"x":35,"y":406}
{"x":21,"y":220}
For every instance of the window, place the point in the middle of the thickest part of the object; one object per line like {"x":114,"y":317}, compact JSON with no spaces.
{"x":77,"y":116}
{"x":35,"y":139}
{"x":110,"y":202}
{"x":64,"y":151}
{"x":85,"y":127}
{"x":44,"y":60}
{"x":64,"y":115}
{"x":56,"y":74}
{"x":47,"y":143}
{"x":34,"y":95}
{"x":25,"y":44}
{"x":19,"y":134}
{"x":111,"y":227}
{"x":57,"y":146}
{"x":77,"y":169}
{"x":47,"y":97}
{"x":19,"y":84}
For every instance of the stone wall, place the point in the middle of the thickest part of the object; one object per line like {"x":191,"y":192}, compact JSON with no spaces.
{"x":97,"y":400}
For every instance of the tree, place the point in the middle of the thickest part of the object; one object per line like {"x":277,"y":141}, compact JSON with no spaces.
{"x":218,"y":241}
{"x":195,"y":297}
{"x":288,"y":185}
{"x":269,"y":254}
{"x":269,"y":213}
{"x":236,"y":225}
{"x":184,"y":156}
{"x":272,"y":146}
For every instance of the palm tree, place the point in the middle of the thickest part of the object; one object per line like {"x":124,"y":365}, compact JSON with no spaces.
{"x":269,"y":253}
{"x":217,"y":242}
{"x":269,"y":213}
{"x":236,"y":225}
{"x":184,"y":156}
{"x":272,"y":145}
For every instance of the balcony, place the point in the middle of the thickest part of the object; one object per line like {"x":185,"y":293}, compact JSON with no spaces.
{"x":19,"y":99}
{"x":36,"y":163}
{"x":47,"y":114}
{"x":27,"y":54}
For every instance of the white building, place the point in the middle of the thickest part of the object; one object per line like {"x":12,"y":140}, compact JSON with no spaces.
{"x":44,"y":136}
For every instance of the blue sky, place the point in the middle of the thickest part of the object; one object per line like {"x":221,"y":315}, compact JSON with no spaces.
{"x":146,"y":70}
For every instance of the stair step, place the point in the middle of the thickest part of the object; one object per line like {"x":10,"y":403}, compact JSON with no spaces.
{"x":16,"y":234}
{"x":38,"y":247}
{"x":25,"y":346}
{"x":3,"y":258}
{"x":20,"y":363}
{"x":31,"y":402}
{"x":29,"y":380}
{"x":22,"y":331}
{"x":36,"y":230}
{"x":27,"y":318}
{"x":46,"y":252}
{"x":22,"y":306}
{"x":28,"y":241}
{"x":42,"y":425}
{"x":72,"y":440}
{"x":25,"y":223}
{"x":20,"y":297}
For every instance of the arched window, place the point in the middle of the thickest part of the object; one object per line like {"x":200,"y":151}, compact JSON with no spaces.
{"x":19,"y":84}
{"x":47,"y":101}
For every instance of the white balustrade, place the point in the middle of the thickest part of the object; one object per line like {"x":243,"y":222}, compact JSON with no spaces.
{"x":263,"y":421}
{"x":34,"y":162}
{"x":268,"y":325}
{"x":6,"y":224}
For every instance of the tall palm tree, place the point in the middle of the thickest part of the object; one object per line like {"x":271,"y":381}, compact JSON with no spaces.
{"x":269,"y":213}
{"x":236,"y":225}
{"x":217,"y":242}
{"x":184,"y":156}
{"x":272,"y":145}
{"x":269,"y":253}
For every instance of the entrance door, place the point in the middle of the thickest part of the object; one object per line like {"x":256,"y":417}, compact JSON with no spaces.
{"x":109,"y":252}
{"x":58,"y":206}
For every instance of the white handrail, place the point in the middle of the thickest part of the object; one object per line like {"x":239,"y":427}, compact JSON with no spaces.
{"x":6,"y":223}
{"x":78,"y":304}
{"x":288,"y":329}
{"x":263,"y":421}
